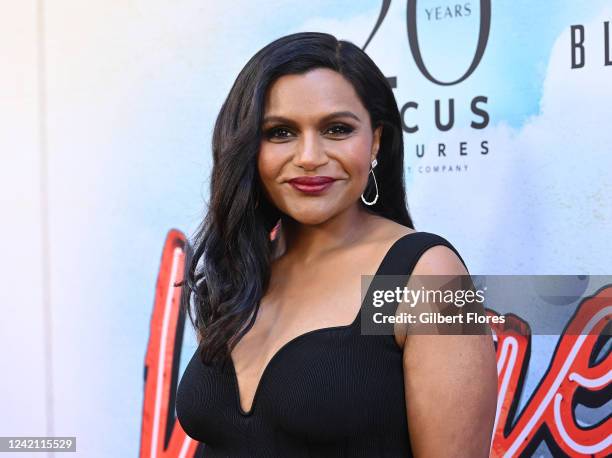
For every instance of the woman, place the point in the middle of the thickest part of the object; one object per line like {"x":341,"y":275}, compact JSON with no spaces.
{"x":307,"y":195}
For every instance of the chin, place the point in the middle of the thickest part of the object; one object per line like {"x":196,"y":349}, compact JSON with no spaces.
{"x":312,"y":217}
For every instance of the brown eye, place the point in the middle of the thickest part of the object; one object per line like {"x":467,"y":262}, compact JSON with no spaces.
{"x":277,"y":132}
{"x":340,"y":129}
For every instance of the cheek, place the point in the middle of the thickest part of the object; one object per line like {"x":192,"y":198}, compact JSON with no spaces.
{"x":268,"y":164}
{"x":356,"y":158}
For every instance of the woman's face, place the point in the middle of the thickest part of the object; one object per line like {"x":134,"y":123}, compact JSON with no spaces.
{"x":315,"y":126}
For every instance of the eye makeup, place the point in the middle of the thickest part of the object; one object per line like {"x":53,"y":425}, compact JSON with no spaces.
{"x":335,"y":130}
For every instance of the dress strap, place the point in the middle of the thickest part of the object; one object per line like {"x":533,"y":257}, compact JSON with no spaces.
{"x":394,"y":272}
{"x":407,"y":250}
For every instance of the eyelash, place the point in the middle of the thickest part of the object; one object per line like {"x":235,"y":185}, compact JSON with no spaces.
{"x":270,"y":132}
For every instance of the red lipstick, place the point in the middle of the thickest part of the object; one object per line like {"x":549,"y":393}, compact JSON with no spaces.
{"x":311,"y":185}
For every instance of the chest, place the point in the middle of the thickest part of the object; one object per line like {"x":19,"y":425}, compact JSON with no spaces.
{"x":322,"y":385}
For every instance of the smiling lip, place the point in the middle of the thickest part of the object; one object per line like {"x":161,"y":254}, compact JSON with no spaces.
{"x":311,"y":184}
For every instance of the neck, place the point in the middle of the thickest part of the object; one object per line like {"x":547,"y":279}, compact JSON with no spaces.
{"x":310,"y":241}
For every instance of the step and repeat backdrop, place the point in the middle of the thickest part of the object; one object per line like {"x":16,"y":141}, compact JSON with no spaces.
{"x":107,"y":115}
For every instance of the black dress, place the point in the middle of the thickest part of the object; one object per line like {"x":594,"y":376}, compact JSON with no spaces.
{"x":329,"y":392}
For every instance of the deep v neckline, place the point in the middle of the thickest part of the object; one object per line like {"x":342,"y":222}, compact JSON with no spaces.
{"x":299,"y":337}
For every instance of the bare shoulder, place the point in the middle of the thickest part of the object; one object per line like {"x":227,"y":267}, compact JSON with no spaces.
{"x":436,"y":260}
{"x":385,"y":231}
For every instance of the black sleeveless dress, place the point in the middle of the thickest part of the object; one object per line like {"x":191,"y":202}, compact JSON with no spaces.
{"x":330,"y":392}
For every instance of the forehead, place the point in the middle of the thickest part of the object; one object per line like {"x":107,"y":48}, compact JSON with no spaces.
{"x":316,"y":92}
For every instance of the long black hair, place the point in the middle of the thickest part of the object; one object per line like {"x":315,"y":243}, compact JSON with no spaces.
{"x":228,"y":267}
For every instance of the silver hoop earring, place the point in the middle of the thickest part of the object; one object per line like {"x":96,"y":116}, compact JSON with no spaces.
{"x":374,"y":163}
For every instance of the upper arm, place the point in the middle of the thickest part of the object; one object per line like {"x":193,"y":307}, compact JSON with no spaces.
{"x":450,"y":381}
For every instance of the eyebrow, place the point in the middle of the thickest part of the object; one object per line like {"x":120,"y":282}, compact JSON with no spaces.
{"x":335,"y":114}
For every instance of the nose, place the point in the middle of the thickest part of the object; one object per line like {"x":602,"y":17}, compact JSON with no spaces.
{"x":310,"y":151}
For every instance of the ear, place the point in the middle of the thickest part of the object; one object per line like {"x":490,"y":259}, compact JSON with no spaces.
{"x":376,"y":142}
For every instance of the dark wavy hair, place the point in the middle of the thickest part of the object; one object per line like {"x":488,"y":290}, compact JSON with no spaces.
{"x":227,"y":268}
